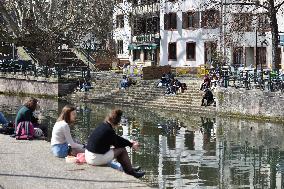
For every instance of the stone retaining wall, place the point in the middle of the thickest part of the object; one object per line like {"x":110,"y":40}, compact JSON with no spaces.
{"x":254,"y":103}
{"x":17,"y":84}
{"x":14,"y":102}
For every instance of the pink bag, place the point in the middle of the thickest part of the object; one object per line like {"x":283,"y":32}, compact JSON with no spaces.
{"x":81,"y":158}
{"x":25,"y":131}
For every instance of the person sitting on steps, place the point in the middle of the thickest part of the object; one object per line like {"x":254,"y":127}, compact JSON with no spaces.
{"x":207,"y":98}
{"x":206,"y":83}
{"x":99,"y":149}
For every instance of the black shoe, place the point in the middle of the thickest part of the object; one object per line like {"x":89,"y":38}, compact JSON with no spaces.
{"x":138,"y":174}
{"x":136,"y":169}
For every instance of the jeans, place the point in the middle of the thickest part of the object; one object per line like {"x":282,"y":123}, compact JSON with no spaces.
{"x":60,"y":150}
{"x":3,"y":120}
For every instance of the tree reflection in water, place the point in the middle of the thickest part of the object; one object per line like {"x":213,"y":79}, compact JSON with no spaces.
{"x":181,"y":150}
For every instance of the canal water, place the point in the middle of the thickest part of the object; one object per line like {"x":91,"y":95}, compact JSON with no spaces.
{"x":179,"y":150}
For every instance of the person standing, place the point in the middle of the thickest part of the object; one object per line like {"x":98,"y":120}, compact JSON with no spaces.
{"x":99,"y":149}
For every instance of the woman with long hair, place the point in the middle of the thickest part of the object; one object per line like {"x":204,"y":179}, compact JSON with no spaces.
{"x":61,"y":136}
{"x":99,"y":149}
{"x":26,"y":113}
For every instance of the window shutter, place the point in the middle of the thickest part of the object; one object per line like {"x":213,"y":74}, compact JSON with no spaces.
{"x":203,"y":19}
{"x":184,"y":20}
{"x":196,"y":20}
{"x":166,"y":21}
{"x":173,"y":21}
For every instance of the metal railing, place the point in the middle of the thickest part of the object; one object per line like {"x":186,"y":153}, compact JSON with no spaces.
{"x":26,"y":68}
{"x":266,"y":79}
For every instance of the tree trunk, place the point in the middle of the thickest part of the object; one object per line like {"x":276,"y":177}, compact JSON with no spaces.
{"x":274,"y":34}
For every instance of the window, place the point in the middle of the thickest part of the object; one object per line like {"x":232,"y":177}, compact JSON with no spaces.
{"x":190,"y":51}
{"x":238,"y":56}
{"x":147,"y":55}
{"x":264,"y":23}
{"x":172,"y":50}
{"x":119,"y":46}
{"x":134,"y":2}
{"x":147,"y":2}
{"x":153,"y":25}
{"x":190,"y":20}
{"x":119,"y":21}
{"x":209,"y":51}
{"x":210,"y":19}
{"x":156,"y":24}
{"x":139,"y":26}
{"x":278,"y":63}
{"x":146,"y":25}
{"x":170,"y":21}
{"x":136,"y":54}
{"x":261,"y":53}
{"x":242,"y":22}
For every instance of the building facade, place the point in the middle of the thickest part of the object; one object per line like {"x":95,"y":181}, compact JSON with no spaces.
{"x":190,"y":33}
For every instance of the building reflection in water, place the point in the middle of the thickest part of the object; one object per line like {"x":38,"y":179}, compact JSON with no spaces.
{"x":182,"y":151}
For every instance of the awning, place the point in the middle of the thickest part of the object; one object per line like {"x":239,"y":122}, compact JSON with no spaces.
{"x":134,"y":47}
{"x":142,"y":46}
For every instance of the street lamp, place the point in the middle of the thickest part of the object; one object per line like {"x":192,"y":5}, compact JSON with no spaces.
{"x":90,"y":45}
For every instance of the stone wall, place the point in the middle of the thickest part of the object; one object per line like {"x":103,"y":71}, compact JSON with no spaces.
{"x":18,"y":84}
{"x":13,"y":103}
{"x":255,"y":103}
{"x":155,"y":72}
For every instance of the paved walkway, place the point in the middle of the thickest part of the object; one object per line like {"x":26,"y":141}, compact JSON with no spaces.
{"x":30,"y":164}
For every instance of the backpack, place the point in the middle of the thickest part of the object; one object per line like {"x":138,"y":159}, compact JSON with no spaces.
{"x":25,"y":131}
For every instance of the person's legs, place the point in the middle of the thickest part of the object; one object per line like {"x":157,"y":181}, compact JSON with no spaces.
{"x":3,"y":120}
{"x":76,"y":151}
{"x":60,"y":150}
{"x":202,"y":102}
{"x":122,"y":157}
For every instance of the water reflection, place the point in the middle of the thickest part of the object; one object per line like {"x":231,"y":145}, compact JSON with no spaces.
{"x":183,"y":151}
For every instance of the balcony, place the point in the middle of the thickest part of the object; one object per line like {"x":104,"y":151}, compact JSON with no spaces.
{"x":146,"y":8}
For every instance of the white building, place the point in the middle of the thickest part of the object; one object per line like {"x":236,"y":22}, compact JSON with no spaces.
{"x":189,"y":33}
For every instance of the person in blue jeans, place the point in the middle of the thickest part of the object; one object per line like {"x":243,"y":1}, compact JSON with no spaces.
{"x":3,"y":120}
{"x":61,"y":136}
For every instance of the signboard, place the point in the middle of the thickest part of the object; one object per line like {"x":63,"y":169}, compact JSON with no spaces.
{"x":147,"y":38}
{"x":142,"y":46}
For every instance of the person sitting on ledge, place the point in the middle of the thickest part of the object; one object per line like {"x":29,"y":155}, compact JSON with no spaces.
{"x":99,"y":149}
{"x":26,"y":113}
{"x":7,"y":127}
{"x":3,"y":120}
{"x":61,"y":136}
